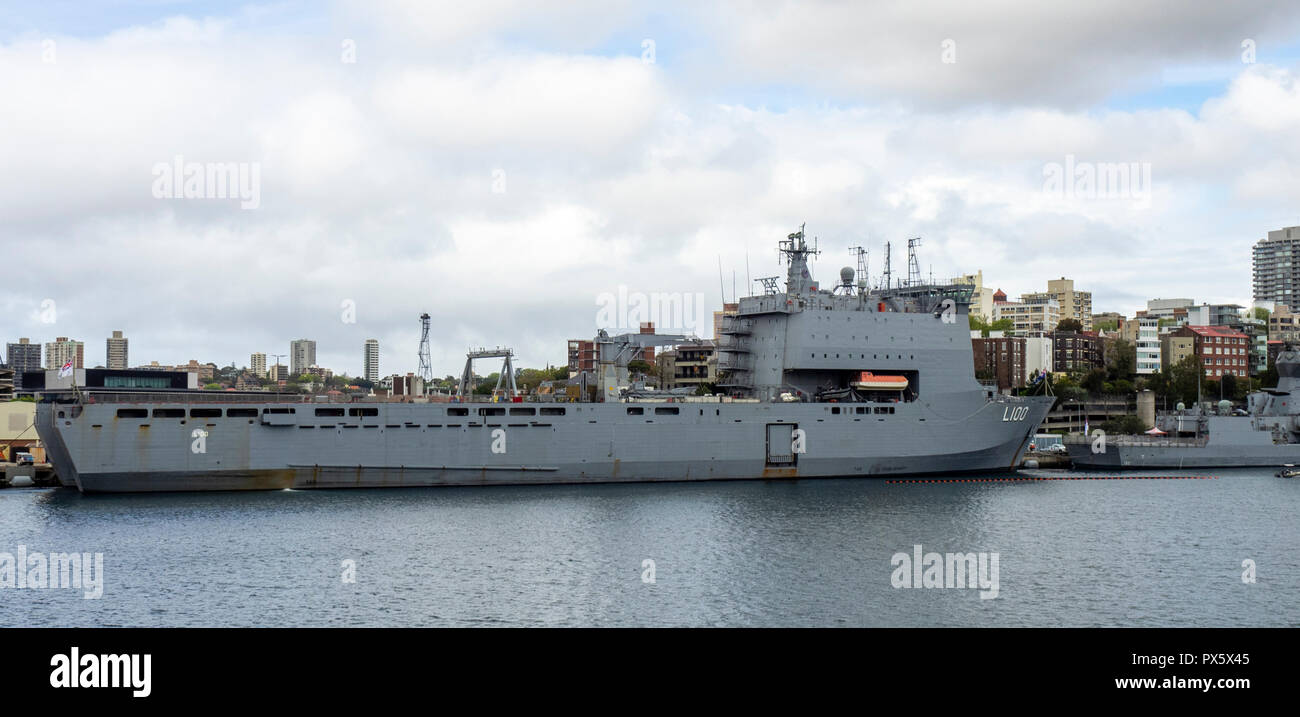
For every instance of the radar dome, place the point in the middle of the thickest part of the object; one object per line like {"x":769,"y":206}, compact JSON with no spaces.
{"x":846,"y":276}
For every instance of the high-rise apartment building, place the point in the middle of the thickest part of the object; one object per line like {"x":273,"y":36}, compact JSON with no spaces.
{"x":23,"y":356}
{"x":1075,"y":305}
{"x":63,"y":350}
{"x":302,"y":355}
{"x":370,"y":368}
{"x":257,"y":364}
{"x":1276,"y":275}
{"x":115,"y":353}
{"x":1037,"y":313}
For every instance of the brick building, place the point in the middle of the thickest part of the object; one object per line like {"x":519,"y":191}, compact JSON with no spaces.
{"x":1222,"y":350}
{"x":1001,"y":359}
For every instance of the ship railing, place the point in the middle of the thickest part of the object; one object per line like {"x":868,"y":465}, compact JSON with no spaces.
{"x":735,"y":362}
{"x":1138,"y":441}
{"x":732,"y":324}
{"x":728,"y":342}
{"x":193,"y":397}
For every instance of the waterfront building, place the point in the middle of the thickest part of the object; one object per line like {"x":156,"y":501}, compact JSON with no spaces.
{"x":1276,"y":274}
{"x":62,"y":350}
{"x":23,"y":356}
{"x":257,"y":364}
{"x":370,"y":361}
{"x":1000,"y":359}
{"x":1222,"y":350}
{"x":302,"y":354}
{"x":1147,"y":341}
{"x":1174,"y":349}
{"x":116,"y":352}
{"x":1036,"y":314}
{"x":1073,"y":304}
{"x":1077,"y":351}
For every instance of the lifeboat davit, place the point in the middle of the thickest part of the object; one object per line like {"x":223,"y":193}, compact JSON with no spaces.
{"x":871,"y":381}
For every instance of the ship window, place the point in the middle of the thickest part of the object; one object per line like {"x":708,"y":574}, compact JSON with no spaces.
{"x":329,"y":412}
{"x":363,"y":411}
{"x":278,"y":410}
{"x":835,"y":411}
{"x":666,"y":411}
{"x":861,"y":410}
{"x":457,"y":411}
{"x":636,"y":411}
{"x":553,"y":411}
{"x":492,"y":412}
{"x":205,"y":413}
{"x":523,"y":411}
{"x":169,"y":413}
{"x":241,"y":412}
{"x":132,"y":413}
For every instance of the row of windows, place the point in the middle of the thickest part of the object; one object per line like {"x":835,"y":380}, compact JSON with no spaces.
{"x":180,"y":413}
{"x":862,"y":410}
{"x":337,"y":411}
{"x":659,"y":411}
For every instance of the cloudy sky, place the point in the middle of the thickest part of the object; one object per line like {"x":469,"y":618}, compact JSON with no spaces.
{"x":502,"y":165}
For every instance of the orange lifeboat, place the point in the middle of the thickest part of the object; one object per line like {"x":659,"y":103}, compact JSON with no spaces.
{"x":872,"y":382}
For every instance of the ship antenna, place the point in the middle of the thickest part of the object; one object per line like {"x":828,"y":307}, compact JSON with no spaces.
{"x":721,"y":286}
{"x":889,"y":267}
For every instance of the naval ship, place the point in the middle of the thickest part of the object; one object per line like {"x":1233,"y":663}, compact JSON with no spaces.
{"x":851,"y":381}
{"x":1269,"y":435}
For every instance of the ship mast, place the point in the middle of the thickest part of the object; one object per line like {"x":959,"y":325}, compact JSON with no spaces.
{"x":795,"y":248}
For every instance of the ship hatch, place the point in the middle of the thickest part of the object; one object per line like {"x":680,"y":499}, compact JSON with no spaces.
{"x":780,"y":440}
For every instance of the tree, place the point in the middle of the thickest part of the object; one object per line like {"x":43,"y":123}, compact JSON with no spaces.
{"x":1094,"y":382}
{"x":1124,"y":425}
{"x":1229,"y":386}
{"x":977,"y":323}
{"x":1121,"y":360}
{"x":1184,"y":378}
{"x":1268,"y":379}
{"x":1073,"y":325}
{"x":1261,"y":313}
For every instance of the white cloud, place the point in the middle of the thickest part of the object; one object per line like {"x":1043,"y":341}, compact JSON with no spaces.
{"x":378,"y":184}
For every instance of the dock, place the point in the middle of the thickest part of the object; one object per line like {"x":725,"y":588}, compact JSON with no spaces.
{"x":36,"y":474}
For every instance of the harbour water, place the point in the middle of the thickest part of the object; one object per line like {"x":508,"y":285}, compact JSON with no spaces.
{"x":1072,"y":550}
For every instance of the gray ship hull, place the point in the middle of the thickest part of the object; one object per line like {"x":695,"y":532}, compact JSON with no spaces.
{"x":100,"y":450}
{"x":1231,"y":442}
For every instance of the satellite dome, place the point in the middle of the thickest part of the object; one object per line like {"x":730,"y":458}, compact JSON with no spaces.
{"x":846,"y":276}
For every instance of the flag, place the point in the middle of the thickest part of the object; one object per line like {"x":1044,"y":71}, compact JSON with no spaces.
{"x":66,"y":371}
